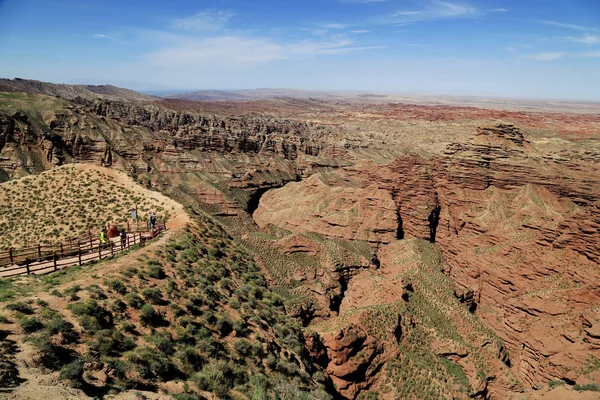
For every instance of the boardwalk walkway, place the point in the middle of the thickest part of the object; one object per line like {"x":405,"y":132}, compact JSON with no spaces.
{"x":44,"y":259}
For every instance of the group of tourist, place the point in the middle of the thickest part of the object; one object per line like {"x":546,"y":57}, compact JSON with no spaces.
{"x":112,"y":231}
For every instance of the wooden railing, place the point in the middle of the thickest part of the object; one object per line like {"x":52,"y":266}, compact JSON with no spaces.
{"x":44,"y":258}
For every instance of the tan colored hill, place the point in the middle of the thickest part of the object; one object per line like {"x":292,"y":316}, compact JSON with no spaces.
{"x":72,"y":91}
{"x":69,"y":201}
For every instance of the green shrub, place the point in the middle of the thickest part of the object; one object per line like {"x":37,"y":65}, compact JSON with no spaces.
{"x":259,"y":385}
{"x":555,"y":383}
{"x":116,"y":285}
{"x":153,"y":295}
{"x":163,"y":342}
{"x":591,"y":387}
{"x":128,"y":327}
{"x":73,"y":372}
{"x":216,"y":377}
{"x":92,"y":316}
{"x":72,"y":292}
{"x":156,"y":272}
{"x":191,"y":360}
{"x":111,"y":343}
{"x":240,"y":327}
{"x":224,"y":325}
{"x":30,"y":325}
{"x":243,"y":347}
{"x":118,"y":306}
{"x":151,"y":364}
{"x":66,"y":329}
{"x":21,"y":307}
{"x":96,"y":292}
{"x":134,"y":301}
{"x":149,"y":317}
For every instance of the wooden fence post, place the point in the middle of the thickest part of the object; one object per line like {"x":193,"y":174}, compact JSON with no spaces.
{"x":112,"y":250}
{"x":27,"y":265}
{"x":39,"y":252}
{"x":10,"y":255}
{"x":100,"y":251}
{"x":128,"y":227}
{"x":79,"y":251}
{"x":54,"y":258}
{"x":62,"y":250}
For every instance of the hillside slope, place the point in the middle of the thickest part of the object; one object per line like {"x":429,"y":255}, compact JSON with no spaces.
{"x":72,"y":91}
{"x":71,"y":201}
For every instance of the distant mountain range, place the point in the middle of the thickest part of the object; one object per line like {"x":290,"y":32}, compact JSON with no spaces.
{"x":110,"y":92}
{"x":265,"y":93}
{"x":72,"y":91}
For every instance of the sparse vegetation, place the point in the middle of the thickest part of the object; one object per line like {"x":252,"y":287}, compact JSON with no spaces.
{"x":66,"y":202}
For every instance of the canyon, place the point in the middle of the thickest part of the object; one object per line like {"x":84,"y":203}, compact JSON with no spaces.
{"x":428,"y":251}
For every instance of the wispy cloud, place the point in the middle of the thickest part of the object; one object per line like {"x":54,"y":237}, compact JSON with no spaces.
{"x":334,"y":26}
{"x":406,"y":13}
{"x":498,"y":10}
{"x":434,"y":10}
{"x":360,"y":31}
{"x":208,"y":20}
{"x":590,"y":54}
{"x":585,"y":39}
{"x":237,"y":52}
{"x":102,"y":36}
{"x":548,"y":56}
{"x":566,"y":26}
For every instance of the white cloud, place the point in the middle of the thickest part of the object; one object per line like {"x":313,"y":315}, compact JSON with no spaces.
{"x":548,"y":56}
{"x":102,"y":36}
{"x":590,"y":54}
{"x":446,"y":9}
{"x":208,"y":20}
{"x":360,"y":31}
{"x":405,"y":13}
{"x":237,"y":52}
{"x":498,"y":10}
{"x":334,"y":26}
{"x":585,"y":39}
{"x":435,"y":10}
{"x":567,"y":26}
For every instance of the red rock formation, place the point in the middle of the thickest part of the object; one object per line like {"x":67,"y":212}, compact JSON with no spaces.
{"x":519,"y":229}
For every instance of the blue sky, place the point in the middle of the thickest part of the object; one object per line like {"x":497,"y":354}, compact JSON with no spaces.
{"x":510,"y":48}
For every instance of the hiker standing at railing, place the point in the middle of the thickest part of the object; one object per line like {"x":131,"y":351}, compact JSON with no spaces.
{"x":123,"y":236}
{"x":152,"y":222}
{"x":103,"y":237}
